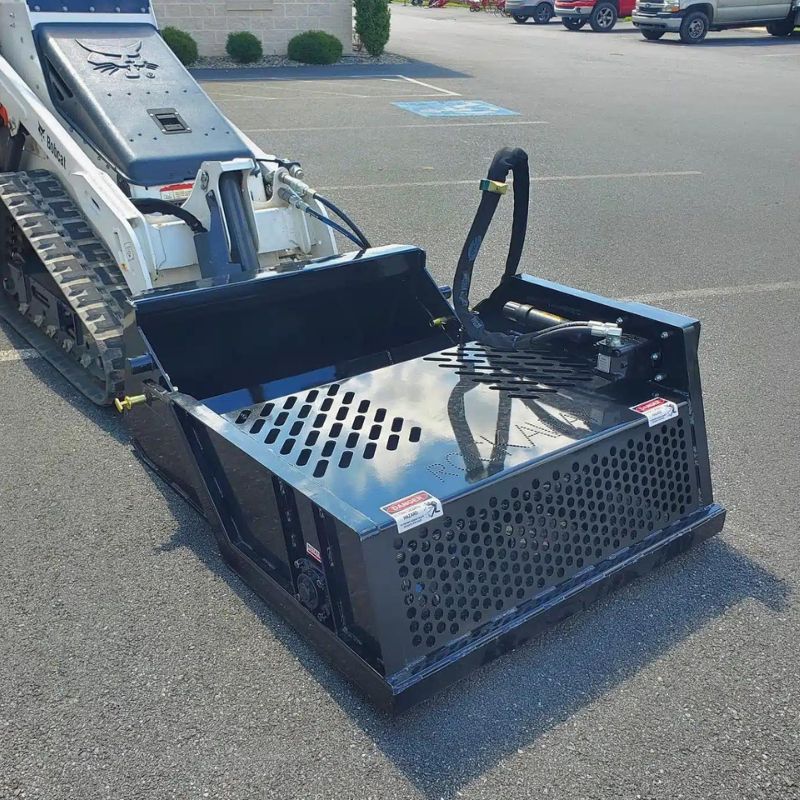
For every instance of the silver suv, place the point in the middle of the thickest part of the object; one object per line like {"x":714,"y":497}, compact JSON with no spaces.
{"x":540,"y":11}
{"x":693,"y":20}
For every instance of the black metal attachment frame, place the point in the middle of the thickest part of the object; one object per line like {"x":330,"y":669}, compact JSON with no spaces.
{"x":530,"y":530}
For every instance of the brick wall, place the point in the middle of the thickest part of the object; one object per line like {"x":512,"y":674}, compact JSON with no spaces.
{"x":273,"y":21}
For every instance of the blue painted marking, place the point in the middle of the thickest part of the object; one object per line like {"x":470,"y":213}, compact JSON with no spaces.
{"x":455,"y":108}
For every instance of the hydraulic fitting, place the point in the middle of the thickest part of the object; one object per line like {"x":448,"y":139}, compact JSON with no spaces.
{"x":531,"y":318}
{"x":127,"y":403}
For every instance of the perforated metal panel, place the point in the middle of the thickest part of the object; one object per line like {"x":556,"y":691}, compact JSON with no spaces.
{"x":327,"y":427}
{"x":514,"y":542}
{"x":338,"y":425}
{"x":524,"y":374}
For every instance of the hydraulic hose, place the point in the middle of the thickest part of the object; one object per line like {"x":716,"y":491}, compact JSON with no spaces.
{"x":346,"y":219}
{"x":154,"y":205}
{"x":516,"y":162}
{"x":293,"y":199}
{"x":330,"y":223}
{"x":301,"y":190}
{"x":505,"y":160}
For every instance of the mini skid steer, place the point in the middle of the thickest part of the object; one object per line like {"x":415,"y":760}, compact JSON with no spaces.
{"x":417,"y":485}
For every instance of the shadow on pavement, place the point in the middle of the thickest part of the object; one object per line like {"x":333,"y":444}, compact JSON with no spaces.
{"x":614,"y":32}
{"x":461,"y":733}
{"x":106,"y":419}
{"x":738,"y":41}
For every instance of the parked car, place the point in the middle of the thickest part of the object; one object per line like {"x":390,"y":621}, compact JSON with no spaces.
{"x":541,"y":11}
{"x":602,"y":15}
{"x":693,"y":20}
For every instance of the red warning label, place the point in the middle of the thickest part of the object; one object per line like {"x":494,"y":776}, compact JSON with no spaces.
{"x":176,"y":191}
{"x":657,"y":410}
{"x":313,"y":552}
{"x":414,"y":510}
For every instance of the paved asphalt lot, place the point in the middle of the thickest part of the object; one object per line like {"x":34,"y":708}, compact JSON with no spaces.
{"x":134,"y":664}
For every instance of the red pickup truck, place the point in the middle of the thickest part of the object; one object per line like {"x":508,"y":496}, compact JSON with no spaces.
{"x":602,"y":15}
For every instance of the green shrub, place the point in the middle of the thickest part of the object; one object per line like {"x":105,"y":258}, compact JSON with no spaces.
{"x":244,"y":48}
{"x":182,"y":44}
{"x":315,"y":47}
{"x":372,"y":24}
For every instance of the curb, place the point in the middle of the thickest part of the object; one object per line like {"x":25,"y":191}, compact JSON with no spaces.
{"x":411,"y":69}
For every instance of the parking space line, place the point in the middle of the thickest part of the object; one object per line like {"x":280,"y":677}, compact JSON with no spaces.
{"x":436,"y":91}
{"x":304,"y":96}
{"x":400,"y":96}
{"x":17,"y":355}
{"x":392,"y":127}
{"x":537,"y":179}
{"x":716,"y":291}
{"x":430,"y":86}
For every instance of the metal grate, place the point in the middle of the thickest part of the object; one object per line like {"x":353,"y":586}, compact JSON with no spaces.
{"x":528,"y":374}
{"x":499,"y":549}
{"x":326,"y":427}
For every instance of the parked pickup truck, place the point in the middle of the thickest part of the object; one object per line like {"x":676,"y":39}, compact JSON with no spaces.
{"x":693,"y":20}
{"x":602,"y":15}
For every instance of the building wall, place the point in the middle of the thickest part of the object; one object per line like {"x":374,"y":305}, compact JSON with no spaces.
{"x":273,"y":21}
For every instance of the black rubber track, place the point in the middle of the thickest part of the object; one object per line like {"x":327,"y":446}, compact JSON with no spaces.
{"x":86,"y":274}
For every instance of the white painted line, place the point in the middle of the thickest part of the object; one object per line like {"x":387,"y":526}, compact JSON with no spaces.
{"x":17,"y":355}
{"x":437,"y":91}
{"x":368,"y":128}
{"x":305,"y":96}
{"x":309,"y":95}
{"x":430,"y":86}
{"x":537,"y":179}
{"x":717,"y":291}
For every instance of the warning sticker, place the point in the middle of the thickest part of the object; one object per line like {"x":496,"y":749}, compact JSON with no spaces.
{"x":313,"y":552}
{"x":414,"y":510}
{"x":176,"y":191}
{"x":657,"y":410}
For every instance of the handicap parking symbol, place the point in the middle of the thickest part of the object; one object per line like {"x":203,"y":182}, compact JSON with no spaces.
{"x":455,"y":108}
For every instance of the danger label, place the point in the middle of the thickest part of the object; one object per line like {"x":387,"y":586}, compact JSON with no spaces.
{"x":414,"y":510}
{"x":176,"y":191}
{"x":657,"y":410}
{"x":313,"y":552}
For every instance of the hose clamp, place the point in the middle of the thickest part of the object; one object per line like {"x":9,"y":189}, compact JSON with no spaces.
{"x":497,"y":187}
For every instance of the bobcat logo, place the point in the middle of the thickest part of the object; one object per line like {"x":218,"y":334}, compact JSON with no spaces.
{"x":111,"y":59}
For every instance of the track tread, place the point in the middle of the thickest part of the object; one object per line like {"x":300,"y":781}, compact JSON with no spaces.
{"x":90,"y":280}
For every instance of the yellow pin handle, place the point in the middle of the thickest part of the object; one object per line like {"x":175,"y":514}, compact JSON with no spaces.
{"x":498,"y":187}
{"x":127,"y":403}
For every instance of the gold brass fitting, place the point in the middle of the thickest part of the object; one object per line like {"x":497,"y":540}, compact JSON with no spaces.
{"x":127,"y":403}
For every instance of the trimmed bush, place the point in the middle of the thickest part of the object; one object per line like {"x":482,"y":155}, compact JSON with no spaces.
{"x":244,"y":48}
{"x":182,"y":44}
{"x":372,"y":24}
{"x":315,"y":47}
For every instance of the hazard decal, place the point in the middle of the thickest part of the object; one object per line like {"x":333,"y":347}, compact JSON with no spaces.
{"x":414,"y":510}
{"x":657,"y":410}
